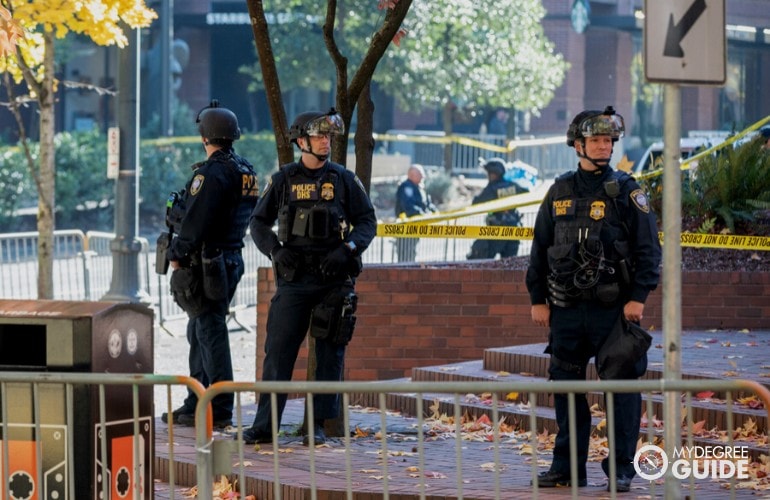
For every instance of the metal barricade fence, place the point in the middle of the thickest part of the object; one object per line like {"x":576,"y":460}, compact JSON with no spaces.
{"x":18,"y":258}
{"x":83,"y":265}
{"x":53,"y":423}
{"x":211,"y":451}
{"x":83,"y":270}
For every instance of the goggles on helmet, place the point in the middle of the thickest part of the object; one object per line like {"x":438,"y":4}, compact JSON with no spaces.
{"x":325,"y":125}
{"x":611,"y":125}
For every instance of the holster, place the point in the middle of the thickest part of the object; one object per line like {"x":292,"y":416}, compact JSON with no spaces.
{"x":161,"y":261}
{"x":333,"y":319}
{"x":214,"y":275}
{"x":187,"y":289}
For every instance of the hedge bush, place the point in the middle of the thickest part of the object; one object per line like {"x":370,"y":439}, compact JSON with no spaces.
{"x":85,"y":197}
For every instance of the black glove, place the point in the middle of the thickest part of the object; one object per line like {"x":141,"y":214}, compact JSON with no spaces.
{"x":336,"y":261}
{"x":284,"y":258}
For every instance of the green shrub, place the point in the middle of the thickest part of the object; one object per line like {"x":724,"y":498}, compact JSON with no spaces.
{"x":85,"y":197}
{"x":728,"y":191}
{"x":440,"y":187}
{"x":166,"y":167}
{"x":730,"y":186}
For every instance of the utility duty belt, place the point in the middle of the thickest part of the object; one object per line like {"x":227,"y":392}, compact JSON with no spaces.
{"x":563,"y":295}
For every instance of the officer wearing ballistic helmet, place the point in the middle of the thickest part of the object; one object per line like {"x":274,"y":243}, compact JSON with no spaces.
{"x":325,"y":222}
{"x":595,"y":258}
{"x":210,"y":217}
{"x":497,"y":187}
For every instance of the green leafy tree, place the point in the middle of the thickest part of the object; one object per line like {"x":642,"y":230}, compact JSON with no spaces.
{"x":465,"y":53}
{"x":353,"y":64}
{"x":450,"y":54}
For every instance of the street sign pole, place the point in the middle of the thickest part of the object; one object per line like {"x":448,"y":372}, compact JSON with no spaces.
{"x":672,"y":276}
{"x":684,"y":43}
{"x":126,"y":247}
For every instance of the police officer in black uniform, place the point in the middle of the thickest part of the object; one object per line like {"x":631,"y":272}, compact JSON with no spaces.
{"x":212,"y":216}
{"x":411,"y":200}
{"x":595,"y":256}
{"x":325,"y":221}
{"x":497,"y":187}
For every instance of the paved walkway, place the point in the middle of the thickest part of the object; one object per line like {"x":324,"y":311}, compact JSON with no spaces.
{"x":722,"y":354}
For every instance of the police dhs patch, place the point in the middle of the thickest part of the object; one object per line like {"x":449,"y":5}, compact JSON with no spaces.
{"x":640,"y":200}
{"x":196,"y":185}
{"x":597,"y":210}
{"x":327,"y":191}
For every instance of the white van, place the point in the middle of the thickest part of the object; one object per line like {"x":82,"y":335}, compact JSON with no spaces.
{"x":652,"y":159}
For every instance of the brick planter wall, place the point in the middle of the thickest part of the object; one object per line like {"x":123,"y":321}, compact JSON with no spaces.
{"x":411,"y":316}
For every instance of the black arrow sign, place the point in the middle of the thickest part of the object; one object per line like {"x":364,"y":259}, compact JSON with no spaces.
{"x":677,"y":32}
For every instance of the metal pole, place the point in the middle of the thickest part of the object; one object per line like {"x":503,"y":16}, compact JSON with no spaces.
{"x":126,"y":247}
{"x":672,"y":275}
{"x":166,"y":37}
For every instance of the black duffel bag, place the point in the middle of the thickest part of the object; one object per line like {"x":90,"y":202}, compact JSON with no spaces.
{"x":623,"y":355}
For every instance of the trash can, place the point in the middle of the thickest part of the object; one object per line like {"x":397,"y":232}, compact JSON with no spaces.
{"x":72,"y":336}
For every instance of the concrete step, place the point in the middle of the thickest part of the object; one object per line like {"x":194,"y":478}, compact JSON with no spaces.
{"x":713,"y":411}
{"x":528,"y":363}
{"x":517,"y":413}
{"x":530,"y":360}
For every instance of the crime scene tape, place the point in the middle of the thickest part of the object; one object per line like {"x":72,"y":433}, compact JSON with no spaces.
{"x":421,"y":230}
{"x":467,"y":141}
{"x":731,"y":241}
{"x":444,"y":231}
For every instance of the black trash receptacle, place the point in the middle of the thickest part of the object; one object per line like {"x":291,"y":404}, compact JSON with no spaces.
{"x":74,"y":336}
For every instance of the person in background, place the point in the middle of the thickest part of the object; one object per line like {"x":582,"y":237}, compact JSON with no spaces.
{"x":411,"y":200}
{"x":497,"y":187}
{"x":765,"y":134}
{"x":498,"y":124}
{"x":213,"y":214}
{"x":325,"y":222}
{"x":595,"y":257}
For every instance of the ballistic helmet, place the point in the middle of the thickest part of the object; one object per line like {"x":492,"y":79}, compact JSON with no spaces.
{"x":314,"y":123}
{"x":496,"y":165}
{"x":215,"y":122}
{"x":593,"y":122}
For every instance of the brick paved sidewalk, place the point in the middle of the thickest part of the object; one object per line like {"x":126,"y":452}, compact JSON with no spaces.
{"x":475,"y":480}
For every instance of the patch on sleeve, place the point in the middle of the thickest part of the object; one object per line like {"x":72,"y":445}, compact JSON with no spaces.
{"x":196,"y":185}
{"x":640,"y":200}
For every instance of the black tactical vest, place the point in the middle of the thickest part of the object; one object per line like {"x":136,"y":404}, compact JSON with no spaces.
{"x":316,"y":217}
{"x":589,"y":232}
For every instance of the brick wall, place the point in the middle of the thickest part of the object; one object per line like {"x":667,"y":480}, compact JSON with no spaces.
{"x":410,"y":316}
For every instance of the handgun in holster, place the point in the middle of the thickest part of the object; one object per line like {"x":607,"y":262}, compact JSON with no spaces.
{"x":174,"y":214}
{"x":334,"y":318}
{"x":161,"y":261}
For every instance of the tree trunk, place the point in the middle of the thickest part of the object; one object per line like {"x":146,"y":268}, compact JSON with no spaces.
{"x":364,"y":142}
{"x":272,"y":84}
{"x":446,"y":120}
{"x":47,"y":175}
